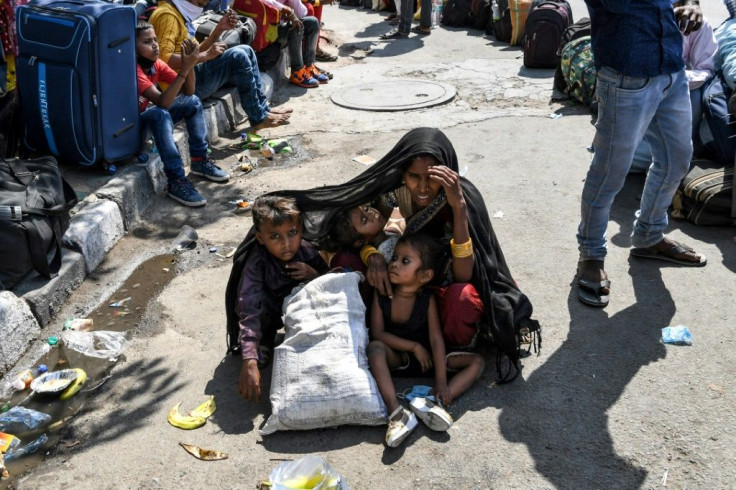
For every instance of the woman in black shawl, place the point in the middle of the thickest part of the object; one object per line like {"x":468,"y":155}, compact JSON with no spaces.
{"x":507,"y":311}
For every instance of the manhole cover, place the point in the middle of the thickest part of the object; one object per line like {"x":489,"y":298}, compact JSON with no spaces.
{"x":394,"y":95}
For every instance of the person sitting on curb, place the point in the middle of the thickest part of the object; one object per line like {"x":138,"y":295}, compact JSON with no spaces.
{"x":279,"y":261}
{"x":217,"y":67}
{"x":168,"y":108}
{"x":302,"y":41}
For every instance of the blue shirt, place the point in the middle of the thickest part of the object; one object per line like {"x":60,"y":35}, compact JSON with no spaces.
{"x":639,"y":38}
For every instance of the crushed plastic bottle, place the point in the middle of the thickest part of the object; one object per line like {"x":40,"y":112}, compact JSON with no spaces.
{"x":23,"y":381}
{"x":29,"y":448}
{"x":496,"y":11}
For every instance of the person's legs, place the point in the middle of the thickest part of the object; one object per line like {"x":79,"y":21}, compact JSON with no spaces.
{"x":294,"y":45}
{"x":671,"y":150}
{"x":406,"y":16}
{"x":237,"y":66}
{"x":189,"y":108}
{"x":426,"y":14}
{"x":380,"y":358}
{"x":625,"y":107}
{"x":311,"y":36}
{"x":469,"y":367}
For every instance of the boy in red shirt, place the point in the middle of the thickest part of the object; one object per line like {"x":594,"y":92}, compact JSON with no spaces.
{"x":168,"y":108}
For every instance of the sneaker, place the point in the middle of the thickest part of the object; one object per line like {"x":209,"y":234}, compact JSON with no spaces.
{"x":318,"y":75}
{"x":398,"y":430}
{"x":205,"y":167}
{"x":433,"y":416}
{"x":303,"y":78}
{"x":182,"y":191}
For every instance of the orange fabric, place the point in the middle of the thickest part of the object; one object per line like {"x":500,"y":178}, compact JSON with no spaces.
{"x":519,"y":10}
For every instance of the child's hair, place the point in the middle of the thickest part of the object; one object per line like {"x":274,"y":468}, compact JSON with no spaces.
{"x":141,"y":26}
{"x":276,"y":209}
{"x":430,"y":252}
{"x":342,"y":234}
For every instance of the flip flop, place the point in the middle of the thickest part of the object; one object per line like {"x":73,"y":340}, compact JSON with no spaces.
{"x":669,"y":255}
{"x":325,"y":56}
{"x":589,"y":292}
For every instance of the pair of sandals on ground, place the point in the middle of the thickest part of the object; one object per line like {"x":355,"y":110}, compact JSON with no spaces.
{"x":592,"y":280}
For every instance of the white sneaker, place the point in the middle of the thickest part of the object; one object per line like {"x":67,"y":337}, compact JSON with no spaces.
{"x":399,"y":429}
{"x":433,"y":416}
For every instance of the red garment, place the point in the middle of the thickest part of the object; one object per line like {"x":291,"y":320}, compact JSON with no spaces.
{"x":460,"y":308}
{"x":8,"y":36}
{"x":160,"y":72}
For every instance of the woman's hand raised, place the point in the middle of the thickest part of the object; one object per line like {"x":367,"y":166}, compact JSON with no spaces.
{"x":450,"y":182}
{"x":377,"y":274}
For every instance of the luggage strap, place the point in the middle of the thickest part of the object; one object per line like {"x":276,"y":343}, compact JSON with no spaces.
{"x":11,"y":213}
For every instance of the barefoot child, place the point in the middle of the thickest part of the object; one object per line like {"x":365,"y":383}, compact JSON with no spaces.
{"x":168,"y":108}
{"x":278,"y":262}
{"x":407,"y":340}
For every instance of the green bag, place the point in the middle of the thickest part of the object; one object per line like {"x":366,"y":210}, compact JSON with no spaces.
{"x":578,"y":70}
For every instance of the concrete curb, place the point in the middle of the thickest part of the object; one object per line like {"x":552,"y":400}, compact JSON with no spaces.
{"x":98,"y":223}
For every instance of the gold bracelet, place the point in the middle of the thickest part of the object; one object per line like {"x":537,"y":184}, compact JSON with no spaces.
{"x":366,"y":252}
{"x":462,"y":250}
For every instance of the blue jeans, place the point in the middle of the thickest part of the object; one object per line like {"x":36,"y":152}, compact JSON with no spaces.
{"x":303,"y":53}
{"x":237,"y":66}
{"x":643,"y":153}
{"x":161,"y":123}
{"x":628,"y":109}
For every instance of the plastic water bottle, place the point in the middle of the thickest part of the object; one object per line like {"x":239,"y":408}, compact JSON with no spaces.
{"x":23,"y":381}
{"x":496,"y":11}
{"x":436,"y":13}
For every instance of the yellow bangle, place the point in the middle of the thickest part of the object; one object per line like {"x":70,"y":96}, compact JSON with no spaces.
{"x":463,"y":250}
{"x":366,"y":252}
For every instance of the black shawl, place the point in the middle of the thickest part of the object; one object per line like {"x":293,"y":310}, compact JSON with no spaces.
{"x":507,"y":310}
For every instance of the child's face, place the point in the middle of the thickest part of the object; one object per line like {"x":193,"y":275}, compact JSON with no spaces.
{"x":146,"y":44}
{"x":406,"y":267}
{"x":281,"y":241}
{"x":367,"y":221}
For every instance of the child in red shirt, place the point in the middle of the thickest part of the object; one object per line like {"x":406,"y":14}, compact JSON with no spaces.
{"x":168,"y":108}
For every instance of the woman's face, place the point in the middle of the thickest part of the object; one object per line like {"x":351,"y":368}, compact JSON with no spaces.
{"x":423,"y":190}
{"x":367,"y":221}
{"x":146,"y":44}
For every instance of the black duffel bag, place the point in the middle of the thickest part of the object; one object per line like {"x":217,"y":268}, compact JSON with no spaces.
{"x":243,"y":33}
{"x":35,"y":201}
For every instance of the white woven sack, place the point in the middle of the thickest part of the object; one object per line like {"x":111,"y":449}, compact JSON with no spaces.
{"x":320,"y":371}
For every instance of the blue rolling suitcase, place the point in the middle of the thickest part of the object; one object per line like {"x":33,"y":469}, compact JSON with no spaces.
{"x":77,"y":79}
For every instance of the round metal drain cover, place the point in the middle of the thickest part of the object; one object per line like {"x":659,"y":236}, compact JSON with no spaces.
{"x":394,"y":95}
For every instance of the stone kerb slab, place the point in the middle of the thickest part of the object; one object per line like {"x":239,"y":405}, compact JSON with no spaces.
{"x":132,"y":190}
{"x":18,"y":328}
{"x":94,"y":231}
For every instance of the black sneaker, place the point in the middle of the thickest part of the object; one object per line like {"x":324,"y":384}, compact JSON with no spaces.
{"x":183,"y":191}
{"x":205,"y":167}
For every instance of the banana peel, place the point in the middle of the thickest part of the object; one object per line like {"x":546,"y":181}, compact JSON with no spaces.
{"x":76,"y":385}
{"x":203,"y":454}
{"x":195,"y":419}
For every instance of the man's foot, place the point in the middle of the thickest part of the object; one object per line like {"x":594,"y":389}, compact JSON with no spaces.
{"x":393,"y":34}
{"x":182,"y":191}
{"x":280,"y":110}
{"x":272,"y":120}
{"x":593,"y":284}
{"x":205,"y":167}
{"x":321,"y":55}
{"x":317,"y":74}
{"x":671,"y":251}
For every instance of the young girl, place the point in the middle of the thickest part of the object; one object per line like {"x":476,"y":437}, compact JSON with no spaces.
{"x":407,"y":340}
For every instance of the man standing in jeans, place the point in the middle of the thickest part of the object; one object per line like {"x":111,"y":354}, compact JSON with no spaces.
{"x":216,"y":68}
{"x":642,"y":92}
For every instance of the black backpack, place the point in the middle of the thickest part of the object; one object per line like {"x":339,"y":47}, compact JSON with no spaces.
{"x":35,"y":201}
{"x":577,"y":30}
{"x":457,"y":13}
{"x":243,"y":33}
{"x":545,"y":25}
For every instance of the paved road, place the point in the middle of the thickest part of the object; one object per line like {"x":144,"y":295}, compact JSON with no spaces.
{"x":604,"y":405}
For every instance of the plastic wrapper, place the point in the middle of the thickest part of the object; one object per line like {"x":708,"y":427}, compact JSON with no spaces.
{"x":309,"y":472}
{"x":29,"y":448}
{"x":678,"y":335}
{"x":19,"y":420}
{"x":101,"y":344}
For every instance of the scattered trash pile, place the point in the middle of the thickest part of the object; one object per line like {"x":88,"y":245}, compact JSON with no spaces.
{"x":257,"y":145}
{"x":42,"y":398}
